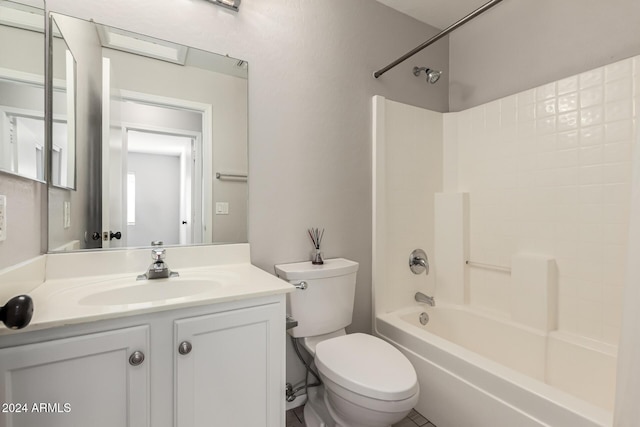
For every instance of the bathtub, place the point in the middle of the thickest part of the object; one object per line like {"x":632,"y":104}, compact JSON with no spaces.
{"x":477,"y":369}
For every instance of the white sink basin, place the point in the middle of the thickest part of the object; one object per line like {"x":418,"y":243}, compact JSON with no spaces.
{"x":150,"y":291}
{"x":127,"y":291}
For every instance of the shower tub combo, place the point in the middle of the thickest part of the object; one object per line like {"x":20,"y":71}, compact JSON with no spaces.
{"x":489,"y":184}
{"x":478,"y":369}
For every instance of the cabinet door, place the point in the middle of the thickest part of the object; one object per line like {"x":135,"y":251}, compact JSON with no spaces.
{"x":80,"y":381}
{"x":234,"y":374}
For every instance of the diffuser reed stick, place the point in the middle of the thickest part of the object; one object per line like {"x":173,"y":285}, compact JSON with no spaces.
{"x":316,"y":238}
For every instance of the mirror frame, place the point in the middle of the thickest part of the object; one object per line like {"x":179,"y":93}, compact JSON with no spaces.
{"x":70,"y":87}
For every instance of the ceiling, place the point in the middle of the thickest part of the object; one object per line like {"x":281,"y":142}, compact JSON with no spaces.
{"x":438,"y":13}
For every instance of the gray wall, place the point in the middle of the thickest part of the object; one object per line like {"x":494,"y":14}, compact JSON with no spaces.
{"x":519,"y":45}
{"x":23,"y":219}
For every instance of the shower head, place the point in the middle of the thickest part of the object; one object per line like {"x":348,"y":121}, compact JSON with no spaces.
{"x":432,"y":75}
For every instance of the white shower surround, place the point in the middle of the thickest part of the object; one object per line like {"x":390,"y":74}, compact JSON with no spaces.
{"x":548,"y":171}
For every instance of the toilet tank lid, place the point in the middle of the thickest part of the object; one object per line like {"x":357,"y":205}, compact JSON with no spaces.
{"x":306,"y":270}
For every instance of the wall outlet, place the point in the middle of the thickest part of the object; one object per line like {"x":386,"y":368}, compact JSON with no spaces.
{"x":3,"y":218}
{"x":222,"y":208}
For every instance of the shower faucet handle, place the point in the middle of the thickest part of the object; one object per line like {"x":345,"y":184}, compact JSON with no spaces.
{"x":419,"y":262}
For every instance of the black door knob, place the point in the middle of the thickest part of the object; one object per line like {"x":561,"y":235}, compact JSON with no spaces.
{"x":17,"y":312}
{"x":184,"y":222}
{"x":116,"y":235}
{"x":95,"y":235}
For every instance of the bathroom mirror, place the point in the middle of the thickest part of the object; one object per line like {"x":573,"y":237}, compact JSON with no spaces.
{"x":22,"y":140}
{"x":63,"y":136}
{"x":161,"y":143}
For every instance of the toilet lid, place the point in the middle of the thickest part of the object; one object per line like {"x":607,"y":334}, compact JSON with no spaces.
{"x":367,"y":365}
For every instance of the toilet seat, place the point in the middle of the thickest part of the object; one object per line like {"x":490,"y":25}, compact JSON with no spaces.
{"x":368,"y":366}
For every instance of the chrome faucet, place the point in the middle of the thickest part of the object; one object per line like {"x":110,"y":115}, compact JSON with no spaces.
{"x":420,"y":297}
{"x":158,"y":268}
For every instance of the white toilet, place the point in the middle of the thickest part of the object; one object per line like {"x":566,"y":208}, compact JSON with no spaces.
{"x":366,"y":381}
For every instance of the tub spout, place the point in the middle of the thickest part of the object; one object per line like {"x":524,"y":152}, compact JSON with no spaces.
{"x":420,"y":297}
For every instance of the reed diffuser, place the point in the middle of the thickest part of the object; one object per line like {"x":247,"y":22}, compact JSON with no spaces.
{"x":316,"y":238}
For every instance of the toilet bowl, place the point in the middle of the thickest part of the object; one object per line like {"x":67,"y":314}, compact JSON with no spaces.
{"x":366,"y":381}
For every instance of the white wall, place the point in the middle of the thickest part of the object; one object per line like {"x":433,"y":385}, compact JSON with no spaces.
{"x":519,"y":45}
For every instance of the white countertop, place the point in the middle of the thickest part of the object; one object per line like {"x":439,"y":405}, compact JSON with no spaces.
{"x":60,"y":302}
{"x":66,"y":299}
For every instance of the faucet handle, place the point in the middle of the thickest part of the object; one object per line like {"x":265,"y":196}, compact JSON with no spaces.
{"x":158,"y":254}
{"x":157,"y":243}
{"x":418,"y":262}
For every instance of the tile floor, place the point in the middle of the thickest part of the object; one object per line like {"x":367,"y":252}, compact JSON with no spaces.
{"x":295,"y":418}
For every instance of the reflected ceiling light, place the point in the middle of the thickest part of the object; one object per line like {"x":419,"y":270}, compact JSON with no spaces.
{"x":20,"y":16}
{"x":141,"y":45}
{"x":229,"y":4}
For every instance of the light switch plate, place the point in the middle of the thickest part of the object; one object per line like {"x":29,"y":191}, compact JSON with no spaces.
{"x":3,"y":218}
{"x":222,"y":208}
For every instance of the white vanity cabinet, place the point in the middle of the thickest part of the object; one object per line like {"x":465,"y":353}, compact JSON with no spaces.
{"x":212,"y":365}
{"x":94,"y":379}
{"x":228,"y":370}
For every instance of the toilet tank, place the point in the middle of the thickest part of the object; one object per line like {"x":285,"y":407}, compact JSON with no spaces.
{"x":327,"y":303}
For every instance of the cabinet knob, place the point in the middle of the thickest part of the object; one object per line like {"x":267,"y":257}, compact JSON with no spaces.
{"x":136,"y":358}
{"x":184,"y":347}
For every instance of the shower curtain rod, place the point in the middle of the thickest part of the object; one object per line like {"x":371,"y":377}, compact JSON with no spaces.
{"x":438,"y":36}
